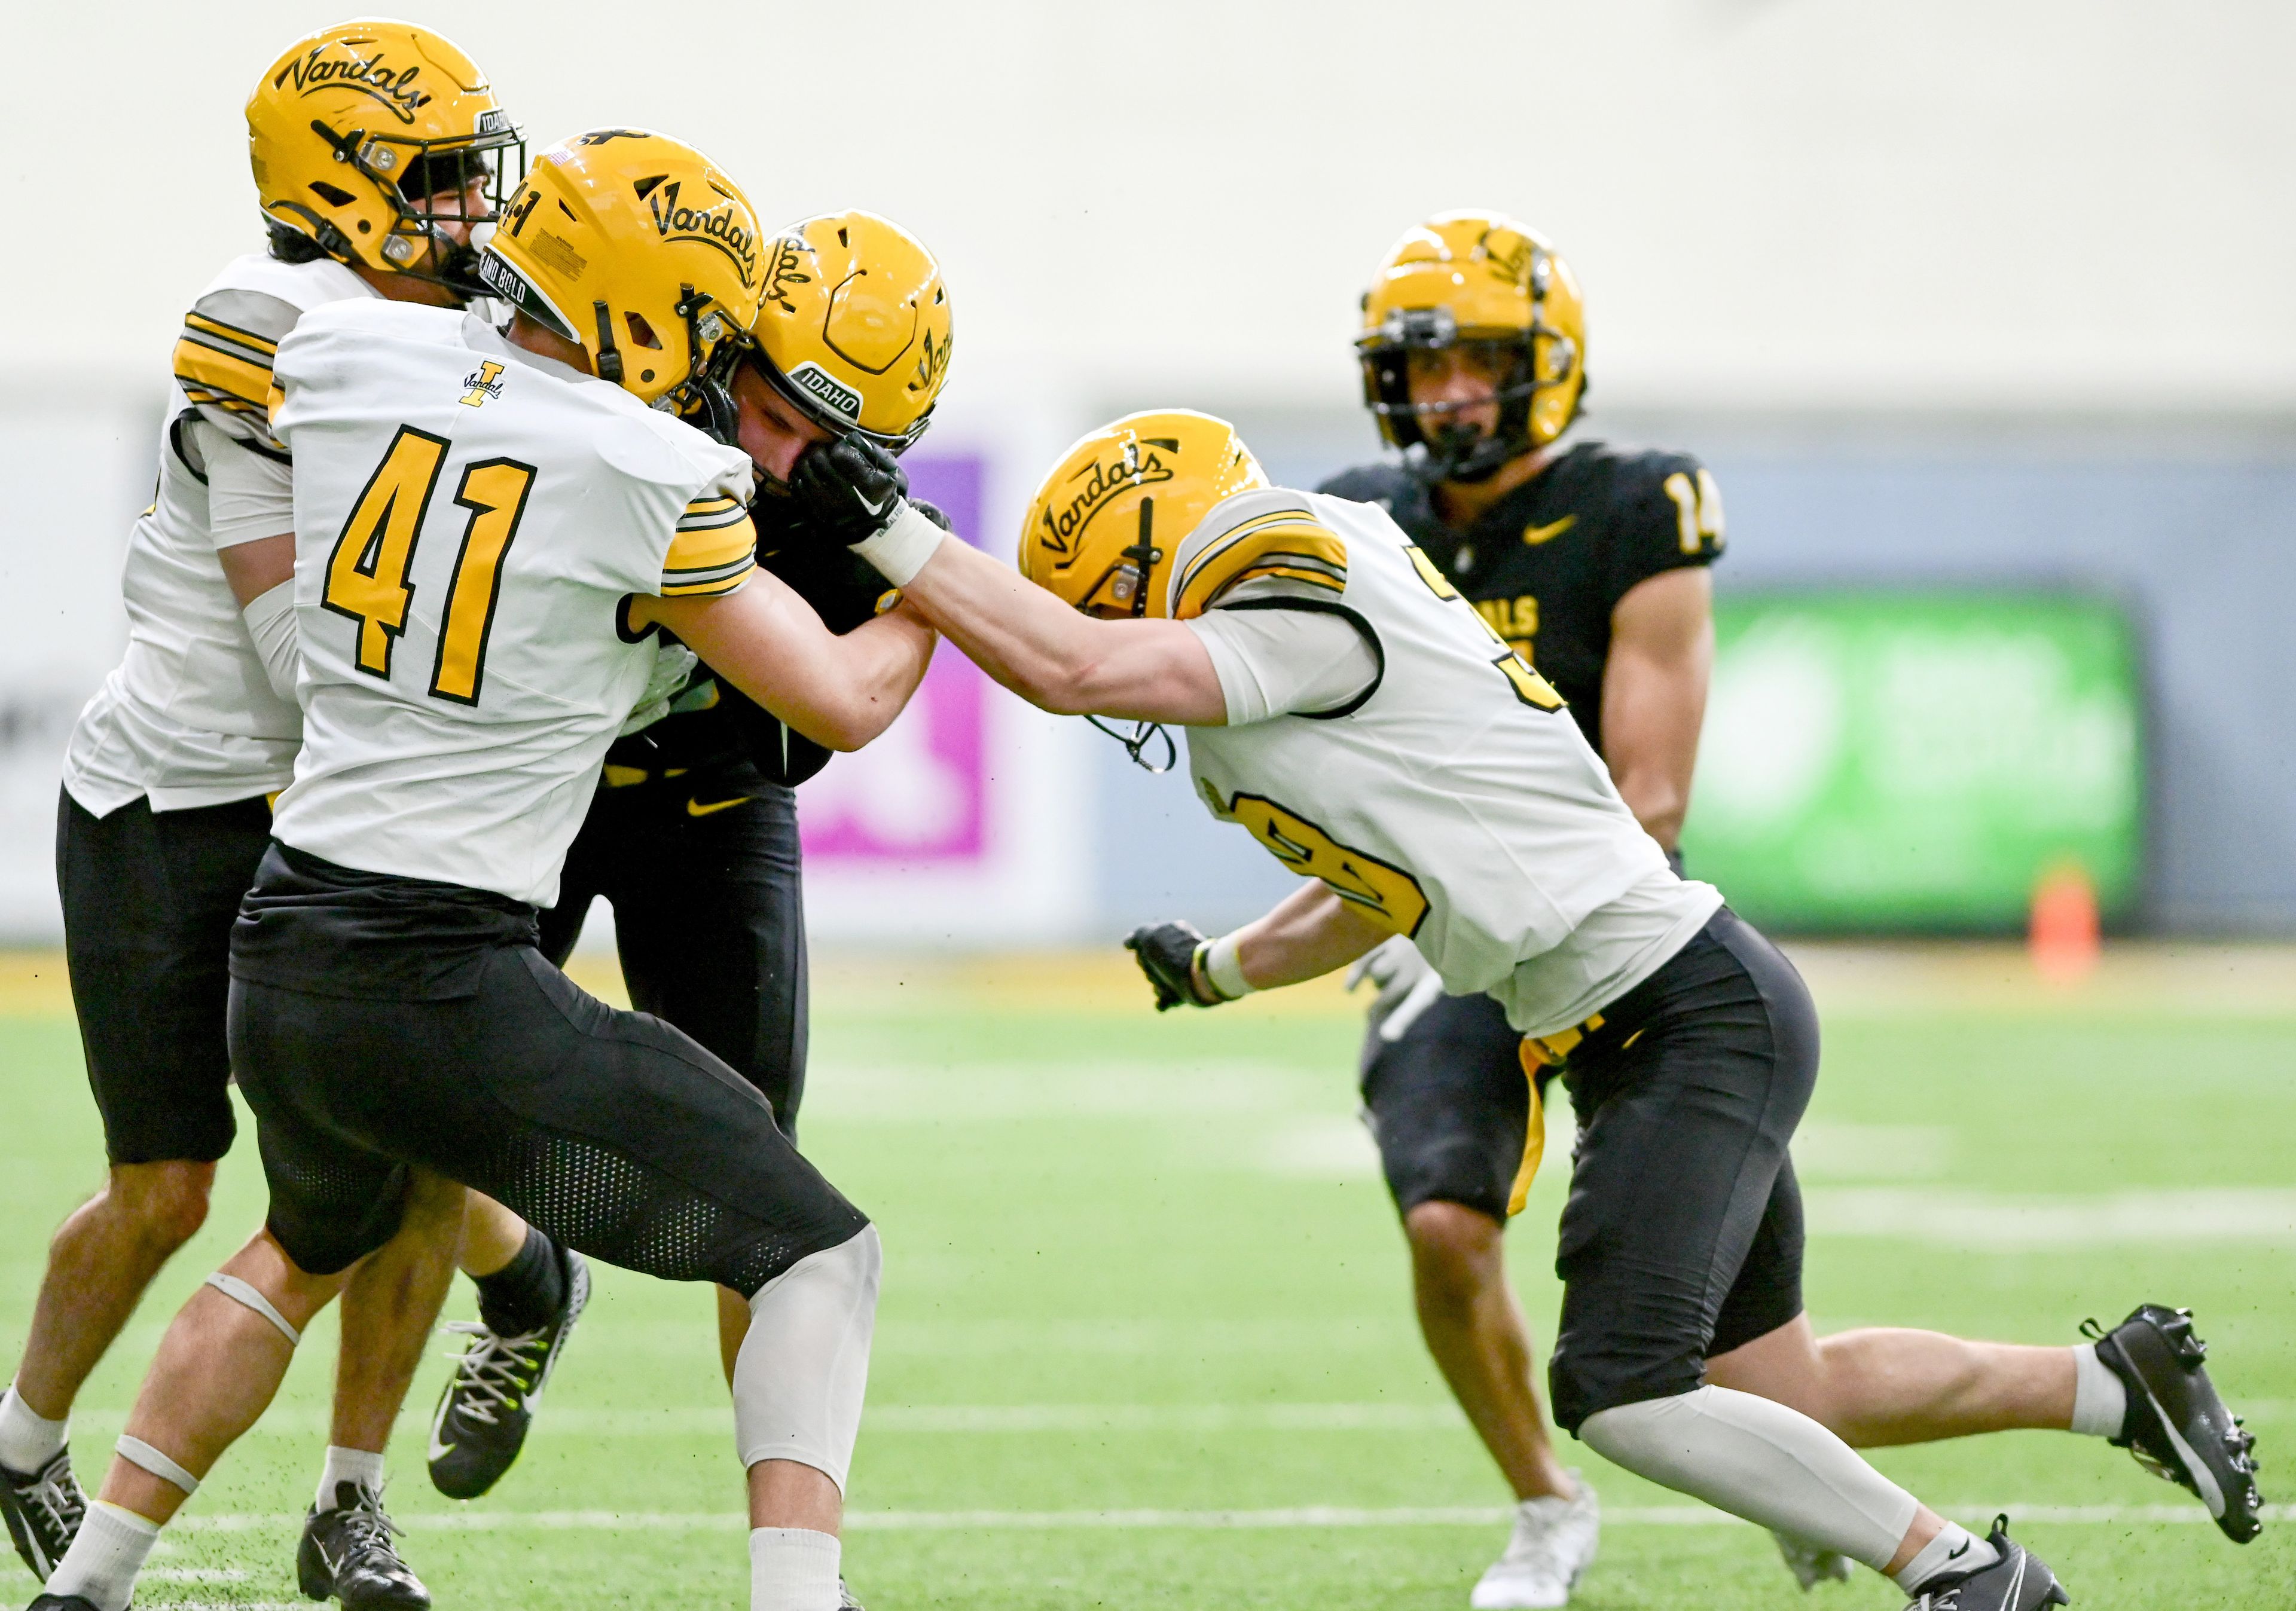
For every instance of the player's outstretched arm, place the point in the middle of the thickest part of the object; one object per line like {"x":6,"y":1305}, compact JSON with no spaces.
{"x":841,"y":692}
{"x":1062,"y":661}
{"x":1310,"y":933}
{"x":851,"y":491}
{"x":1305,"y":936}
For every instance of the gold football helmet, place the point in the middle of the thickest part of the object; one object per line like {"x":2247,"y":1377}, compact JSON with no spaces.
{"x":635,"y":248}
{"x":1474,"y":278}
{"x":366,"y":136}
{"x":1106,"y":521}
{"x":854,"y":326}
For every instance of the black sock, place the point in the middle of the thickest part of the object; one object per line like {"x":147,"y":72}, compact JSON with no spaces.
{"x":524,"y":1293}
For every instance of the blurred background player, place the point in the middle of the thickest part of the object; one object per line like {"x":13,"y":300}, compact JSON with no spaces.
{"x":693,"y":833}
{"x":376,"y":148}
{"x":388,"y":1010}
{"x":1346,"y":706}
{"x":1591,"y":562}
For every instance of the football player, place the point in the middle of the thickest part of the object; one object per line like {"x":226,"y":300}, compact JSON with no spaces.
{"x":376,"y":148}
{"x":692,"y":832}
{"x":494,"y":530}
{"x":1362,"y":720}
{"x":1592,"y":563}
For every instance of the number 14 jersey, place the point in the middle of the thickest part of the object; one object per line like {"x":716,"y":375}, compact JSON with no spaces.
{"x":471,"y":520}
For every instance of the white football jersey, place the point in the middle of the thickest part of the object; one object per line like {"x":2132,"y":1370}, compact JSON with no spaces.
{"x":1454,"y":800}
{"x":188,"y":718}
{"x":471,"y":520}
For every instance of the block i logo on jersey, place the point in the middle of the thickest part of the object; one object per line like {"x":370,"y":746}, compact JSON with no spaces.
{"x":485,"y":384}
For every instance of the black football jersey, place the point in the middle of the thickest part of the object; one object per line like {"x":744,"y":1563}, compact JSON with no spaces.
{"x":717,"y":735}
{"x":1548,"y":563}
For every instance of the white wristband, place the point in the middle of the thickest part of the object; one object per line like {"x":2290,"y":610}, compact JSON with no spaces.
{"x":1224,"y":968}
{"x":900,"y":551}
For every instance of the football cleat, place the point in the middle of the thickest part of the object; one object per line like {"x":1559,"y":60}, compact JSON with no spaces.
{"x":1551,"y":1547}
{"x":1811,"y":1564}
{"x":44,"y":1512}
{"x":490,"y":1400}
{"x":2178,"y":1427}
{"x":2020,"y":1581}
{"x":347,"y":1555}
{"x":62,"y":1602}
{"x":844,"y":1600}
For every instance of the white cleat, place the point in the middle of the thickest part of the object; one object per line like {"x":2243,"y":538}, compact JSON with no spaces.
{"x":1811,"y":1564}
{"x":1552,"y":1545}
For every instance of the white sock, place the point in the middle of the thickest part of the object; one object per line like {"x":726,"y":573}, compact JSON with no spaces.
{"x":1760,"y":1460}
{"x":102,"y":1562}
{"x":2100,"y":1397}
{"x":28,"y":1441}
{"x":804,"y":1366}
{"x":1955,"y":1550}
{"x":348,"y":1466}
{"x":793,"y":1569}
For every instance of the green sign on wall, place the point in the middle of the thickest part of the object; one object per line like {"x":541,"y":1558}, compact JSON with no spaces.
{"x":1905,"y":760}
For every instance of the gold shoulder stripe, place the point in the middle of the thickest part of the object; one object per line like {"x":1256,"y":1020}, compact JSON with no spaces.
{"x":726,"y":581}
{"x":710,"y":514}
{"x":201,"y":367}
{"x":1291,"y":544}
{"x":712,"y":546}
{"x":712,"y":559}
{"x":230,"y":332}
{"x":224,"y":401}
{"x":273,"y":400}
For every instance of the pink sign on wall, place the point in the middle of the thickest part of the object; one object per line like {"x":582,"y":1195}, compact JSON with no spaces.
{"x":920,"y":793}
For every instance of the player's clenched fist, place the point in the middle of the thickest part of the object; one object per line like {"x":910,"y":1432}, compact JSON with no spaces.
{"x":848,"y":489}
{"x":1168,"y":955}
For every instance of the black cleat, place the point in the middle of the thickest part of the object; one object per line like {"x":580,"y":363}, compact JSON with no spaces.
{"x":347,"y":1555}
{"x":490,"y":1400}
{"x":44,"y":1512}
{"x":844,"y":1600}
{"x":2178,"y":1427}
{"x":2020,"y":1581}
{"x":62,"y":1602}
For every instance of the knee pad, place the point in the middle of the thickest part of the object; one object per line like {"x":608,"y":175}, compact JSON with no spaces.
{"x":804,"y":1367}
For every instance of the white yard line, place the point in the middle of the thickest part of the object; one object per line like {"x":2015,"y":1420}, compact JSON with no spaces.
{"x":1300,"y":1516}
{"x":1373,"y":1416}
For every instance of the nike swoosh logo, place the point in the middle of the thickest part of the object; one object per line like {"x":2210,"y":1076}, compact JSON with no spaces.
{"x":878,"y":508}
{"x":1957,"y":1554}
{"x":1536,"y":535}
{"x":439,"y":1450}
{"x":695,"y":808}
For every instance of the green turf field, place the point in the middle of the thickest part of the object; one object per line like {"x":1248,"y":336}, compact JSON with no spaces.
{"x":1146,"y":1340}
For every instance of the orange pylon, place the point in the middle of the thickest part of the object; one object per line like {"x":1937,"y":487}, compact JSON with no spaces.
{"x":2064,"y":937}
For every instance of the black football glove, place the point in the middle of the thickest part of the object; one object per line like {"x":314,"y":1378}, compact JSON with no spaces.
{"x":847,"y":490}
{"x":1167,"y":956}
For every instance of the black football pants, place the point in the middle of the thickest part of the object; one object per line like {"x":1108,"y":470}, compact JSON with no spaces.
{"x":708,"y":917}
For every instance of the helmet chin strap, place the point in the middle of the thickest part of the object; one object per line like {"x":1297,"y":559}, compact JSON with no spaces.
{"x":1462,"y":454}
{"x":704,"y":391}
{"x":1144,"y":554}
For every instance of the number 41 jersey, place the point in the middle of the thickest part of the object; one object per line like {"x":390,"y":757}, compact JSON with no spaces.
{"x":471,"y":520}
